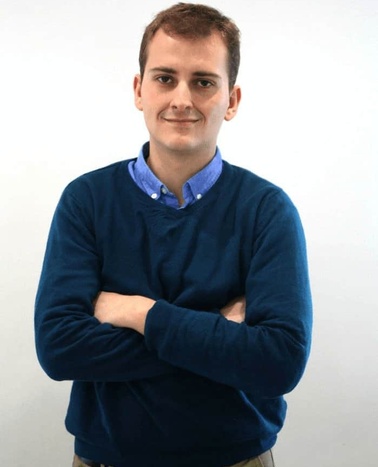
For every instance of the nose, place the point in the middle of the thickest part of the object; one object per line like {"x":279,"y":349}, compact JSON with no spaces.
{"x":181,"y":97}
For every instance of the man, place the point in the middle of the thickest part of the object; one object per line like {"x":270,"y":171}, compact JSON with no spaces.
{"x":174,"y":290}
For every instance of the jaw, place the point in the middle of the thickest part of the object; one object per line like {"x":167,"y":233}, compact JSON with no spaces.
{"x":182,"y":145}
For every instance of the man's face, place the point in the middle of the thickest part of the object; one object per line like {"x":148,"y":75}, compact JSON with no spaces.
{"x":185,"y":93}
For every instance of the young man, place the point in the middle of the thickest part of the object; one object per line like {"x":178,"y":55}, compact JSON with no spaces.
{"x":174,"y":291}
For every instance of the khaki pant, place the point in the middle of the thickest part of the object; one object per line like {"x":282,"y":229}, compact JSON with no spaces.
{"x":77,"y":462}
{"x":264,"y":460}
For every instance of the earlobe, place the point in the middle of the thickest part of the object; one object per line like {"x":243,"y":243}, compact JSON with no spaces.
{"x":137,"y":92}
{"x":235,"y":97}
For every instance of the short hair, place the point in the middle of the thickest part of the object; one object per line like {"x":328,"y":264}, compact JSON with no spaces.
{"x":194,"y":21}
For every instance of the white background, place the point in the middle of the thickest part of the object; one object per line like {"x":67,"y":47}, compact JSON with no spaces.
{"x":308,"y":122}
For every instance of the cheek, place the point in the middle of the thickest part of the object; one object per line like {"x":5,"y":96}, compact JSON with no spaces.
{"x":217,"y":115}
{"x":218,"y":109}
{"x":148,"y":109}
{"x":151,"y":105}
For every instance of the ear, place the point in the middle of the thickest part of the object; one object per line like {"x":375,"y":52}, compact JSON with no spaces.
{"x":235,"y":97}
{"x":137,"y":85}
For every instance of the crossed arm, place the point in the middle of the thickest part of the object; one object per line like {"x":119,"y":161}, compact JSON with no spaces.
{"x":130,"y":311}
{"x":266,"y":355}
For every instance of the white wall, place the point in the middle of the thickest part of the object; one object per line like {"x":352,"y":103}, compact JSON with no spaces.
{"x":307,"y":122}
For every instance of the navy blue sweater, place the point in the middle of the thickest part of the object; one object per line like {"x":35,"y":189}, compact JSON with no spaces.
{"x":197,"y":389}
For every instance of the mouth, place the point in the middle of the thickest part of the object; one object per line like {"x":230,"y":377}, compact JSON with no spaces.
{"x":181,"y":121}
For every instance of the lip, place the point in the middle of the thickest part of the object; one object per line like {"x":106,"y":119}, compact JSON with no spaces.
{"x":181,"y":120}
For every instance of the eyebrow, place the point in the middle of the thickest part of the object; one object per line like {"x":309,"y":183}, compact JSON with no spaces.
{"x":172,"y":71}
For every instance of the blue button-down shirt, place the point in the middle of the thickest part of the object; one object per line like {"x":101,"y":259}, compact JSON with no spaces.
{"x":193,"y":190}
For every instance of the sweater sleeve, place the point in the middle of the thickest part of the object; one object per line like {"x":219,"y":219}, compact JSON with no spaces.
{"x":266,"y":355}
{"x":71,"y":343}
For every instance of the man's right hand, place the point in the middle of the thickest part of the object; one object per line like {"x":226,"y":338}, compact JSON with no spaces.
{"x":235,"y":310}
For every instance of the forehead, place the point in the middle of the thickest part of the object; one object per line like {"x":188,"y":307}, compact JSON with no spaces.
{"x":167,"y":50}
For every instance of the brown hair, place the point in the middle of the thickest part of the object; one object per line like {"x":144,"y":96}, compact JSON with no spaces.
{"x":194,"y":21}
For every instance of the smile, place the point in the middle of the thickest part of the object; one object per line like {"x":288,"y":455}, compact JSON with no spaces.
{"x":180,"y":121}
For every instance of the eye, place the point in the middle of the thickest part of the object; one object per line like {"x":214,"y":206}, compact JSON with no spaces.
{"x":164,"y":79}
{"x":204,"y":83}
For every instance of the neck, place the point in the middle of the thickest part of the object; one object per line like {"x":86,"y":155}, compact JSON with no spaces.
{"x":175,"y":169}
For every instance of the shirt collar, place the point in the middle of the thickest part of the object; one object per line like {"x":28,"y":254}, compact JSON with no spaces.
{"x":194,"y":188}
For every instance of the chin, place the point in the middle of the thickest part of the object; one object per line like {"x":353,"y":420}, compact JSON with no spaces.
{"x":183,"y":146}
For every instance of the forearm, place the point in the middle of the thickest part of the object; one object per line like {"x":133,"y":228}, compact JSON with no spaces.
{"x":266,"y":360}
{"x":74,"y":346}
{"x":130,"y":311}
